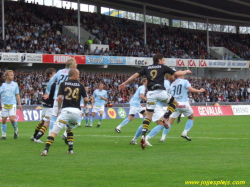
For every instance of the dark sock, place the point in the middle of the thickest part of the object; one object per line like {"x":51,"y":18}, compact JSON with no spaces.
{"x":38,"y":127}
{"x":49,"y":142}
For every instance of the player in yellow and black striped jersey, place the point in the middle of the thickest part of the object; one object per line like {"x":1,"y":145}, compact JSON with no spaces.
{"x":47,"y":109}
{"x":156,"y":92}
{"x":72,"y":91}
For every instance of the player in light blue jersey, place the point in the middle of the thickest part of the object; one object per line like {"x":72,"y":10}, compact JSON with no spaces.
{"x":10,"y":97}
{"x":157,"y":116}
{"x":179,"y":89}
{"x":99,"y":98}
{"x":135,"y":105}
{"x":85,"y":110}
{"x":59,"y":77}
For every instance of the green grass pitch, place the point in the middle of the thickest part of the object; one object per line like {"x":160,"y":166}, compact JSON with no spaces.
{"x":219,"y":150}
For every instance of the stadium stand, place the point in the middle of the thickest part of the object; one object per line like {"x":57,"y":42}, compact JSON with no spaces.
{"x":34,"y":28}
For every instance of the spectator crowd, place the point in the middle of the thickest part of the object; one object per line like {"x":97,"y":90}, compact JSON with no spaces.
{"x":217,"y":90}
{"x":32,"y":28}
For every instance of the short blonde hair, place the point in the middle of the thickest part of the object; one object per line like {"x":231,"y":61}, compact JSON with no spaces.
{"x":70,"y":63}
{"x":144,"y":80}
{"x":7,"y":72}
{"x":167,"y":75}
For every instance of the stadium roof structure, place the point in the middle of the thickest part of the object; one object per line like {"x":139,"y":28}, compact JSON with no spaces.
{"x":227,"y":11}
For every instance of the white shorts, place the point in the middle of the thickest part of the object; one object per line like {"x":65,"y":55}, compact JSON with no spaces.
{"x":134,"y":110}
{"x":158,"y":113}
{"x":157,"y":95}
{"x":55,"y":108}
{"x":68,"y":118}
{"x":97,"y":109}
{"x":8,"y":110}
{"x":184,"y":108}
{"x":85,"y":110}
{"x":47,"y":113}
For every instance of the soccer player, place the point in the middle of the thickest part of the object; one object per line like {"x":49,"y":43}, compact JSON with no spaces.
{"x":179,"y":88}
{"x":59,"y":77}
{"x":157,"y":116}
{"x":158,"y":113}
{"x":156,"y":91}
{"x":85,"y":108}
{"x":47,"y":110}
{"x":135,"y":106}
{"x":10,"y":97}
{"x":98,"y":102}
{"x":72,"y":91}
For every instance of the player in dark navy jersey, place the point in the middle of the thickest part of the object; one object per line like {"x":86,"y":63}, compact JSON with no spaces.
{"x":72,"y":91}
{"x":47,"y":110}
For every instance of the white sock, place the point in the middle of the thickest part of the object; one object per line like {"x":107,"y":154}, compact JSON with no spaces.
{"x":185,"y":132}
{"x":134,"y":139}
{"x":163,"y":136}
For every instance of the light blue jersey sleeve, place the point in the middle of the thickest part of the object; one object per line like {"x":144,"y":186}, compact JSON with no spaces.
{"x":106,"y":95}
{"x":167,"y":85}
{"x":51,"y":81}
{"x":1,"y":90}
{"x":59,"y":77}
{"x":17,"y":89}
{"x":136,"y":98}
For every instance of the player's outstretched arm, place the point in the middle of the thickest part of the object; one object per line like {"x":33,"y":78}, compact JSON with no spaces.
{"x":181,"y":73}
{"x":191,"y":89}
{"x":123,"y":85}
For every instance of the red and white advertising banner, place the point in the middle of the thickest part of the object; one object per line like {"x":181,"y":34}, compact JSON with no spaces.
{"x":172,"y":62}
{"x":62,"y":59}
{"x":186,"y":62}
{"x":212,"y":110}
{"x":241,"y":109}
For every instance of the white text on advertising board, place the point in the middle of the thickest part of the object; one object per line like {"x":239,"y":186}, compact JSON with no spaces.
{"x":95,"y":60}
{"x":60,"y":58}
{"x":9,"y":57}
{"x":115,"y":60}
{"x":32,"y":115}
{"x":207,"y":111}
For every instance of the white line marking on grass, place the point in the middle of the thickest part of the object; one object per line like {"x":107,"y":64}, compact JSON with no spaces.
{"x":111,"y":136}
{"x":213,"y":138}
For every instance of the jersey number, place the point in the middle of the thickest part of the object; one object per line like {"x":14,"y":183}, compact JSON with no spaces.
{"x":177,"y":89}
{"x":72,"y":93}
{"x":153,"y":74}
{"x":62,"y":78}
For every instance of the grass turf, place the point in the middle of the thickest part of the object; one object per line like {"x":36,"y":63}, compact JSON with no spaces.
{"x":219,"y":150}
